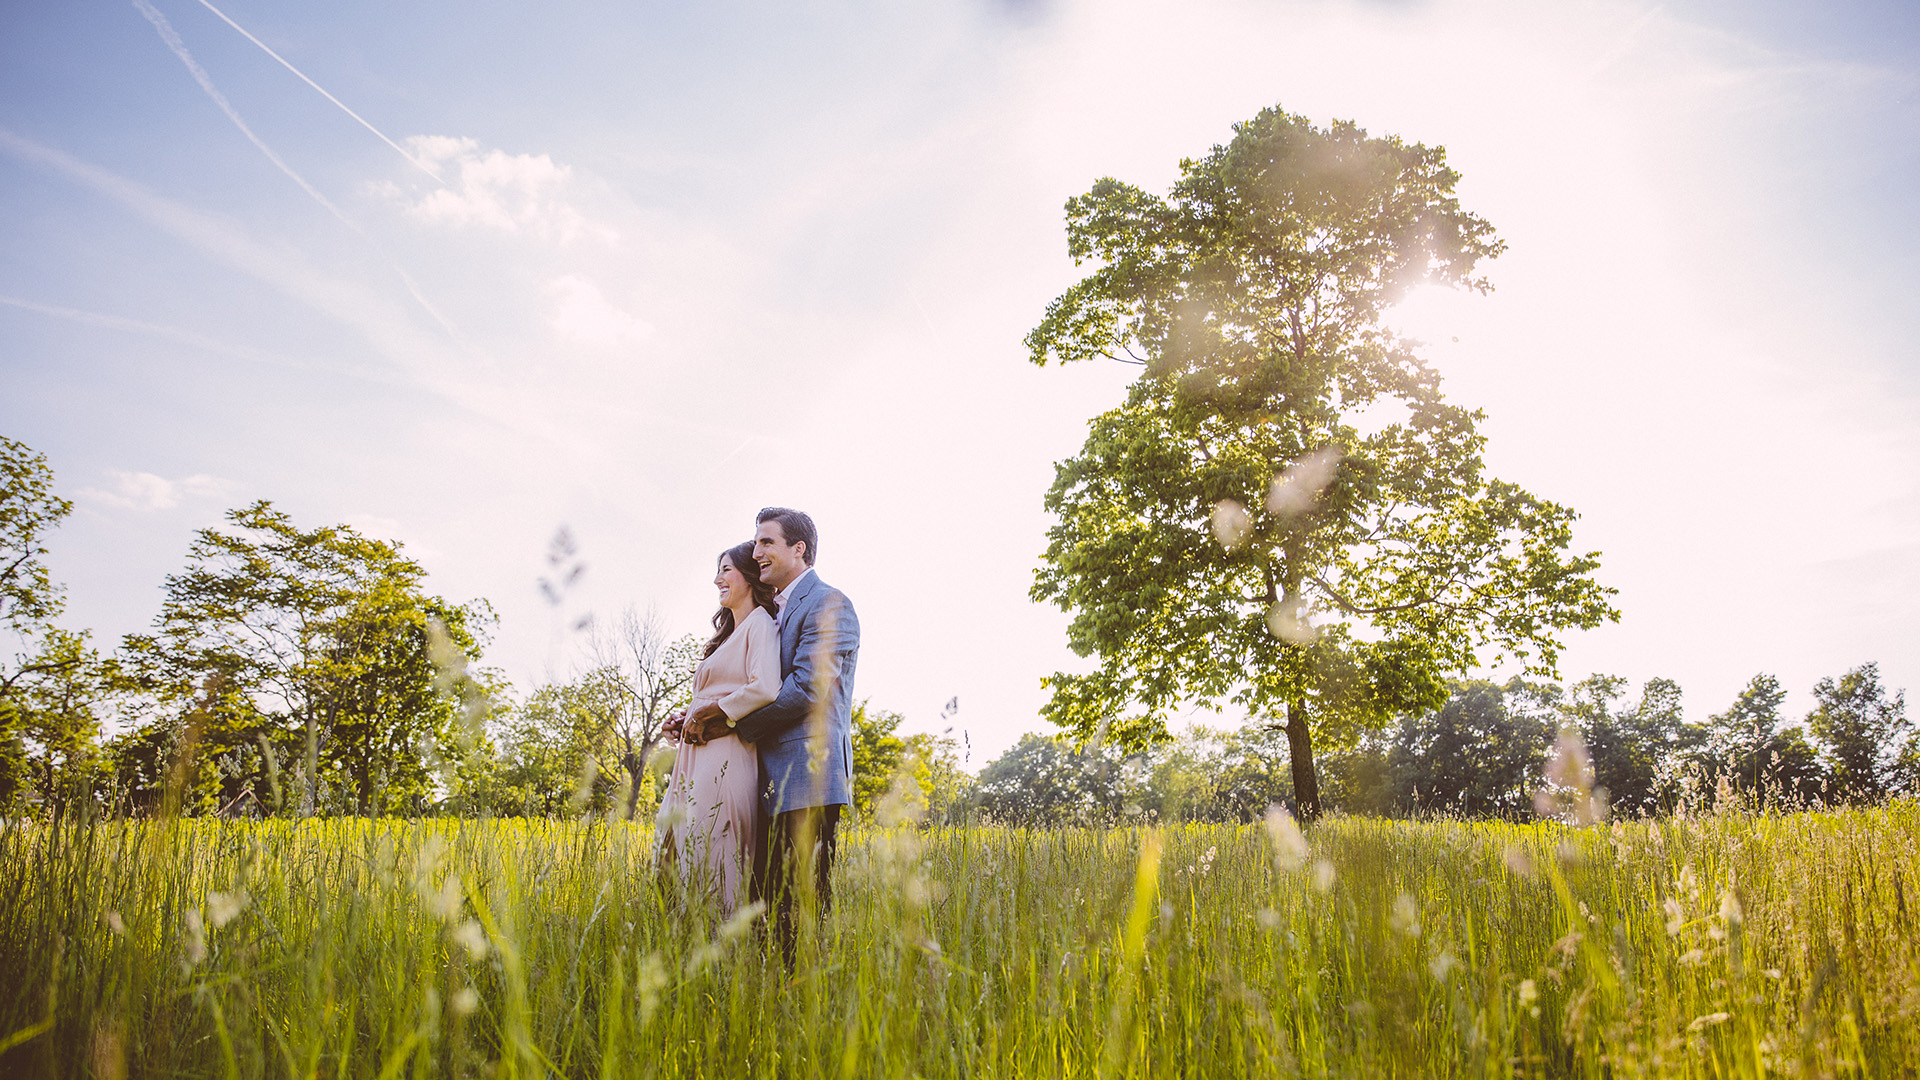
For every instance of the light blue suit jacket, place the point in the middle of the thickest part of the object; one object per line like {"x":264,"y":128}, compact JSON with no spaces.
{"x":805,"y":736}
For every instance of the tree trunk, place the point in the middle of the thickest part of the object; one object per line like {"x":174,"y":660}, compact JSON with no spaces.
{"x":1306,"y":781}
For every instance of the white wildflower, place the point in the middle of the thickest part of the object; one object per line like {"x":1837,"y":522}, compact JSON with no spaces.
{"x":1289,"y":843}
{"x":1518,"y":861}
{"x":471,"y":936}
{"x":444,"y":902}
{"x":196,"y":937}
{"x":1405,"y":918}
{"x":1298,"y":487}
{"x":741,"y":920}
{"x":1322,"y":875}
{"x":1730,"y":910}
{"x":654,"y":978}
{"x":1676,"y":918}
{"x":223,"y":908}
{"x":465,"y":1001}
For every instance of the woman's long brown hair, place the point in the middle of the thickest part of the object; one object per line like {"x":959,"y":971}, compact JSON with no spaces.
{"x":741,"y":556}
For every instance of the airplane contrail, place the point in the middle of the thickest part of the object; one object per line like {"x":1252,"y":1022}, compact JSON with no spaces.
{"x":368,"y":313}
{"x":179,"y":47}
{"x":417,"y":163}
{"x":158,"y":330}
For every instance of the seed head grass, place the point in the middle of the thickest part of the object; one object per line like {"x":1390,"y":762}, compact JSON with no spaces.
{"x":1721,"y":946}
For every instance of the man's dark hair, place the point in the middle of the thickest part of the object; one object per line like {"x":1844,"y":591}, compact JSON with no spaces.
{"x":795,"y":526}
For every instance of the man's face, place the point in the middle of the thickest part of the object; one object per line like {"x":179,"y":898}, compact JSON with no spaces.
{"x":780,"y":562}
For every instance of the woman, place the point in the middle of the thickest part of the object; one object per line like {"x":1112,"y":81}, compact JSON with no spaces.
{"x":706,"y":820}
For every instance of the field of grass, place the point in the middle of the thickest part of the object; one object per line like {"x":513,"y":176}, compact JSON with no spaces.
{"x":1731,"y":945}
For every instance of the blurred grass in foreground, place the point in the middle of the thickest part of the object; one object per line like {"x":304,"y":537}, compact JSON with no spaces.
{"x":1730,"y":945}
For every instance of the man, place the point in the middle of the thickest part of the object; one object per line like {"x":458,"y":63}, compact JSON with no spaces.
{"x":804,"y":739}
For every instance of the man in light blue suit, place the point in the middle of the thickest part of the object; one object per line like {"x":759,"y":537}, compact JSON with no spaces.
{"x":805,"y":736}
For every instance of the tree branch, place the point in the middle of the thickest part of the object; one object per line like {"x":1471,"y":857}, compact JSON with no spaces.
{"x":30,"y":669}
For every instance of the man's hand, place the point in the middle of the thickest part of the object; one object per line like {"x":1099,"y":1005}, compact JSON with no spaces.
{"x":707,"y":722}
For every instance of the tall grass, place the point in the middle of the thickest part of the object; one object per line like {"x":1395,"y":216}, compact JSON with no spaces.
{"x":1731,"y":945}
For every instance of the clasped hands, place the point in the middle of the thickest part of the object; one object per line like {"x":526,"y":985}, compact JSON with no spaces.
{"x":702,"y":725}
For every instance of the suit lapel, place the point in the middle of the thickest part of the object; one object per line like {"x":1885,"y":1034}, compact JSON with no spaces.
{"x":791,"y":614}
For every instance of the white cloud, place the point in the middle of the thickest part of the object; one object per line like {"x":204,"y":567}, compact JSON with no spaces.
{"x":583,"y":314}
{"x":145,"y":491}
{"x":518,"y":194}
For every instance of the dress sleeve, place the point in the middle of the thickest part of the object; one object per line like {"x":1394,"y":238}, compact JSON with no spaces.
{"x":762,"y":642}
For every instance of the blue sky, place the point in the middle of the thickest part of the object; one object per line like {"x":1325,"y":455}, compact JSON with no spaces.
{"x":688,"y":260}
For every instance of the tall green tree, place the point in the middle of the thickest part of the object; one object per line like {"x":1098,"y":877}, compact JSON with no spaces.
{"x":51,"y":724}
{"x":1747,"y":746}
{"x":1473,"y":756}
{"x":1865,"y":732}
{"x":559,"y":750}
{"x":1285,"y":513}
{"x":43,"y":663}
{"x":1626,"y":745}
{"x":934,"y":761}
{"x":29,"y":597}
{"x":308,"y":652}
{"x":1048,"y":781}
{"x":878,"y":753}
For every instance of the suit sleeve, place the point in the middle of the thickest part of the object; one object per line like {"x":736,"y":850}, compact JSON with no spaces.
{"x":763,"y":671}
{"x":828,"y":636}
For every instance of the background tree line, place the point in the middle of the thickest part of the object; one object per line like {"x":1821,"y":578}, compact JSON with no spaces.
{"x":307,"y":671}
{"x":1484,"y":752}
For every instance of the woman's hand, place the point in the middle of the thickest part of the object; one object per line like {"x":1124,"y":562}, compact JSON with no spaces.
{"x":707,"y":722}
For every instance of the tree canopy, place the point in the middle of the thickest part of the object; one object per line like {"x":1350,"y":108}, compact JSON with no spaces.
{"x":29,"y":597}
{"x":1285,"y":514}
{"x":311,"y":648}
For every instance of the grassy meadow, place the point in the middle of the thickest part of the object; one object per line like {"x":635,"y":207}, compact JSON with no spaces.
{"x":1729,"y":945}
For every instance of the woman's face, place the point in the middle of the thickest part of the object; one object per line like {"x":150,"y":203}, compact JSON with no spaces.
{"x":732,"y":585}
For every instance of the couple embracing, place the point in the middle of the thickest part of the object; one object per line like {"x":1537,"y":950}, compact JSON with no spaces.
{"x":765,"y":766}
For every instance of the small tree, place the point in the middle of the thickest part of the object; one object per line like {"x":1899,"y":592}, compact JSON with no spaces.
{"x":557,"y":749}
{"x":1048,"y":781}
{"x":1641,"y":775}
{"x":1473,"y":756}
{"x":878,"y":753}
{"x":934,"y":761}
{"x":1285,"y":512}
{"x":308,"y":650}
{"x":1747,"y":747}
{"x":29,"y":598}
{"x":654,"y":680}
{"x":1865,"y":732}
{"x":53,"y":722}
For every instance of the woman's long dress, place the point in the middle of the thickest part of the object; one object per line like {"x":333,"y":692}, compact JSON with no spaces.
{"x":707,"y":818}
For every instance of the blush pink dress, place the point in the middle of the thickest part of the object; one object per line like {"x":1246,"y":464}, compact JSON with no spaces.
{"x":707,"y":817}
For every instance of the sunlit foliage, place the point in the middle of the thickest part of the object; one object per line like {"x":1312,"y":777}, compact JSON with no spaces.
{"x":1285,"y":513}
